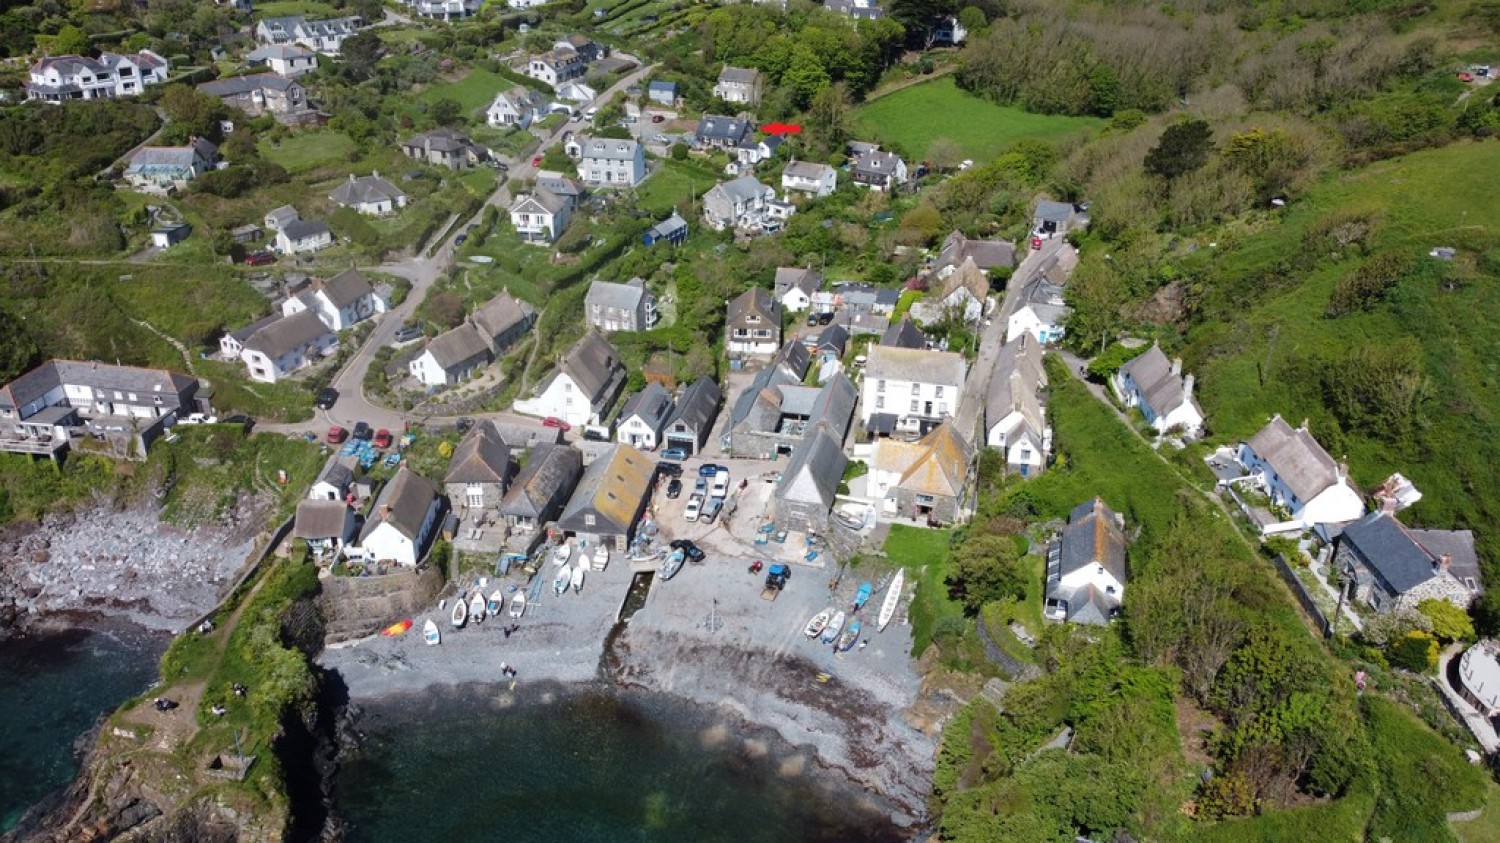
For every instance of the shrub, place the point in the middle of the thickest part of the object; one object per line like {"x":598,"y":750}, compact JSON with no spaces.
{"x":1416,"y":651}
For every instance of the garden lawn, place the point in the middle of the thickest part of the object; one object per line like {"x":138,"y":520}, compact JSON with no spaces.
{"x":924,"y":555}
{"x":912,"y":118}
{"x":306,"y":151}
{"x":475,"y":91}
{"x":675,"y":182}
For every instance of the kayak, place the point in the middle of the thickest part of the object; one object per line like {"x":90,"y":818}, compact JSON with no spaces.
{"x":397,"y":628}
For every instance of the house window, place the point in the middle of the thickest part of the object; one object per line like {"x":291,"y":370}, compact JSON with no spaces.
{"x":924,"y":499}
{"x":880,"y":402}
{"x":880,"y":386}
{"x":474,"y":496}
{"x":916,"y":389}
{"x":588,"y":520}
{"x":752,"y":319}
{"x":937,"y":392}
{"x":914,"y":406}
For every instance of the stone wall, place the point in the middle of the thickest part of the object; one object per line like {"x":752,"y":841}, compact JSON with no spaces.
{"x":354,"y":607}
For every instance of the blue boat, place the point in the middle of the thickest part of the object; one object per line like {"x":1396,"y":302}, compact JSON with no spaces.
{"x":862,"y":596}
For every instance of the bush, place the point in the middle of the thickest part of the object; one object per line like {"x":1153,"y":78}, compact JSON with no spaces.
{"x":1416,"y":651}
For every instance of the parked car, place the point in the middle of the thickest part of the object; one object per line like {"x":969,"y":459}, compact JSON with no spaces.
{"x":336,"y":435}
{"x":689,"y":548}
{"x":463,"y":424}
{"x":711,"y":509}
{"x":327,"y":397}
{"x":677,"y":454}
{"x":554,"y":421}
{"x":694,"y":506}
{"x":700,"y":487}
{"x":407,"y":333}
{"x":383,"y":438}
{"x":459,"y":240}
{"x":259,"y":259}
{"x":669,"y":469}
{"x":536,"y":160}
{"x":362,"y":431}
{"x":674,"y":488}
{"x":825,"y":318}
{"x":1036,"y":243}
{"x":198,"y":418}
{"x":708,"y":470}
{"x":657,"y":118}
{"x":594,"y":434}
{"x":720,"y":488}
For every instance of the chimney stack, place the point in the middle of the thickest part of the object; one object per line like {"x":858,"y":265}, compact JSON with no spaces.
{"x":1177,"y":366}
{"x":1187,"y":387}
{"x":1445,"y":562}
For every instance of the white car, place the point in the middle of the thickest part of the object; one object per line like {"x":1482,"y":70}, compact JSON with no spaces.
{"x":721,"y":485}
{"x":199,"y":418}
{"x":694,"y":507}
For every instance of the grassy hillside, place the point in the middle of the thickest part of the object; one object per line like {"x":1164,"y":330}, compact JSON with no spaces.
{"x":1281,"y":352}
{"x":914,"y":117}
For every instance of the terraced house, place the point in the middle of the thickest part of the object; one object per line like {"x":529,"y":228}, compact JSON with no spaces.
{"x":62,"y":78}
{"x":40,"y":409}
{"x":324,"y":36}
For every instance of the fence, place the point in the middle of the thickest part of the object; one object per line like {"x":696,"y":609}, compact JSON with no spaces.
{"x":1304,"y":597}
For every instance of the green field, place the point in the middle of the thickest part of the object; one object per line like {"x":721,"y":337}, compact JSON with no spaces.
{"x":474,"y":91}
{"x":675,"y":182}
{"x":914,"y":117}
{"x":306,"y":151}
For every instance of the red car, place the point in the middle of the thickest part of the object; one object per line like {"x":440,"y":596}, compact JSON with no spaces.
{"x":553,"y":421}
{"x":337,"y":435}
{"x":536,"y":161}
{"x":1036,"y":242}
{"x":259,"y":259}
{"x":382,"y":438}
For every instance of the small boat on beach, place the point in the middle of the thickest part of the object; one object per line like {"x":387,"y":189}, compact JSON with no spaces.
{"x":431,"y":634}
{"x":476,"y":608}
{"x":862,"y":596}
{"x":831,"y":634}
{"x":460,"y":612}
{"x":818,"y":623}
{"x":601,"y":558}
{"x":518,"y":604}
{"x":496,"y":604}
{"x":578,"y":571}
{"x":563,"y":579}
{"x":849,"y":638}
{"x":563,"y":553}
{"x":892,"y":597}
{"x":397,"y":628}
{"x":672,"y":564}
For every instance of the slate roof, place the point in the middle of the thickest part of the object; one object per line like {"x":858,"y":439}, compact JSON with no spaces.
{"x":1093,"y":537}
{"x":287,"y":334}
{"x":806,"y":170}
{"x":50,"y":375}
{"x":1390,"y":551}
{"x":615,"y":295}
{"x":402,"y":503}
{"x":698,"y":406}
{"x":482,"y":457}
{"x":320,"y":519}
{"x":1457,"y":545}
{"x":832,"y":339}
{"x":904,"y":335}
{"x":302,"y":229}
{"x":876,"y":163}
{"x":805,"y":279}
{"x":1057,"y":212}
{"x":814,"y":471}
{"x":608,"y":149}
{"x":1044,"y":298}
{"x":592,"y":363}
{"x":500,"y":314}
{"x":738,"y":75}
{"x":552,"y":470}
{"x":653,"y":405}
{"x":986,"y":254}
{"x":888,"y":362}
{"x":346,"y":288}
{"x":360,"y":190}
{"x":730,"y":130}
{"x":668,"y":226}
{"x":834,"y":406}
{"x":267,"y":52}
{"x":1018,"y":378}
{"x":283,"y":214}
{"x":742,"y":189}
{"x":336,"y":474}
{"x":149,"y":159}
{"x":1296,"y":457}
{"x":614,"y":487}
{"x":758,"y":301}
{"x":441,"y":139}
{"x":759,"y":404}
{"x":458,"y":345}
{"x":539,"y":200}
{"x":237,"y":85}
{"x":1152,"y":373}
{"x":794,"y":358}
{"x":662,"y":86}
{"x":941,"y":466}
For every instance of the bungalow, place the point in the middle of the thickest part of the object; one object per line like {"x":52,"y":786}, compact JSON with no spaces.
{"x":815,"y":180}
{"x":1040,"y":311}
{"x":58,"y":79}
{"x":739,"y":85}
{"x":1296,"y":473}
{"x":1086,"y":567}
{"x":502,"y":321}
{"x":543,"y":487}
{"x":795,"y":287}
{"x":333,"y":484}
{"x":662,"y":92}
{"x":285,"y":60}
{"x":324,"y":36}
{"x":1394,"y":568}
{"x":540,"y":217}
{"x":340,"y":302}
{"x":751,"y":151}
{"x":610,"y":307}
{"x":444,"y":147}
{"x":303,"y":236}
{"x":479,"y":470}
{"x":866,"y":298}
{"x":927,"y":480}
{"x":718,"y":132}
{"x":753,"y":324}
{"x":585,"y":385}
{"x":516,"y":107}
{"x":556,"y":67}
{"x":370,"y":195}
{"x":1015,"y":419}
{"x":325,"y":525}
{"x":161,"y":169}
{"x":610,"y":498}
{"x":402,"y":521}
{"x":611,"y":162}
{"x":451,"y":357}
{"x":286,"y":345}
{"x":644,"y":417}
{"x":810,"y":482}
{"x":742,"y":203}
{"x":693,"y":419}
{"x":673,"y":229}
{"x":1051,"y":219}
{"x":877,"y":170}
{"x":910,"y":391}
{"x":1161,"y":392}
{"x":260,"y":93}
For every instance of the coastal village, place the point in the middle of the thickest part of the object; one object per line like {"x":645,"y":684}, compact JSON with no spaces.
{"x":611,"y":373}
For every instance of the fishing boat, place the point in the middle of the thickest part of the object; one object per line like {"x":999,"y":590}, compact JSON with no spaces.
{"x":397,"y":628}
{"x":496,"y":604}
{"x":518,"y":604}
{"x":562,"y":554}
{"x":862,"y":596}
{"x":564,"y":577}
{"x":476,"y":608}
{"x":848,"y":639}
{"x":460,"y":612}
{"x":831,"y":634}
{"x":672,"y":564}
{"x":818,"y":623}
{"x":431,"y":634}
{"x":892,"y":597}
{"x":578,"y":572}
{"x":601,"y":558}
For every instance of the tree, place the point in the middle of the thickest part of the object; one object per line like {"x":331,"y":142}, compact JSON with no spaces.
{"x":193,"y":111}
{"x":445,"y":111}
{"x":1369,"y":284}
{"x":557,"y":159}
{"x":805,"y":75}
{"x":920,"y":15}
{"x":986,"y":568}
{"x":69,"y":41}
{"x":359,"y":53}
{"x":973,"y":19}
{"x":945,"y":154}
{"x":925,"y":220}
{"x":446,"y":309}
{"x":1416,"y":651}
{"x":18,"y":351}
{"x":828,"y":118}
{"x":1183,"y":148}
{"x":1449,"y":623}
{"x":615,"y":132}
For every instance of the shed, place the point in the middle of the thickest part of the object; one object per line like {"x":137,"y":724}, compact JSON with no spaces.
{"x":166,"y":236}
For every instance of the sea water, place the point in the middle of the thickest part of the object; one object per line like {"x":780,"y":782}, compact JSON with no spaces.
{"x":593,"y":766}
{"x":56,"y":686}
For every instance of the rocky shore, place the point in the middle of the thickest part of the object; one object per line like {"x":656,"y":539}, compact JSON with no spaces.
{"x":122,"y":563}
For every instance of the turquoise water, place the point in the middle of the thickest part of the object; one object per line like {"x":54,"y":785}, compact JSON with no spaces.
{"x":587,"y":767}
{"x":56,"y":687}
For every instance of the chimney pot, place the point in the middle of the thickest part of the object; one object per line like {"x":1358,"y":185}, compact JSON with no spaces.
{"x":1177,"y":366}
